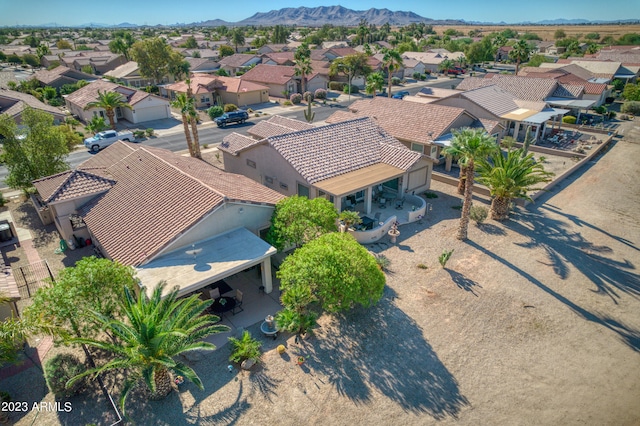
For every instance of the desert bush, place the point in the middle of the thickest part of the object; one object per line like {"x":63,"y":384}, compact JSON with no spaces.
{"x":287,"y":103}
{"x":569,"y":119}
{"x":382,"y":261}
{"x":354,"y":89}
{"x":295,"y":98}
{"x":230,"y":107}
{"x":320,"y":94}
{"x":244,"y":348}
{"x":395,"y":81}
{"x":631,"y":107}
{"x":215,"y":111}
{"x":57,"y":372}
{"x":416,"y":75}
{"x":336,"y":85}
{"x":444,"y":257}
{"x":139,"y":134}
{"x":307,"y":96}
{"x":478,"y":214}
{"x":149,"y":132}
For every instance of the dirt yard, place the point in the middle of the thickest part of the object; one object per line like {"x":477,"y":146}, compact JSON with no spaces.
{"x":534,"y":321}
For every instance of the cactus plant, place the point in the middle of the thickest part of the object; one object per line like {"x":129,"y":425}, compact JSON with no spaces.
{"x":308,"y":115}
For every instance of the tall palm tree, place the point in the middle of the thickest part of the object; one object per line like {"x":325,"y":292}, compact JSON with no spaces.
{"x":510,"y":176}
{"x":185,"y":104}
{"x":392,"y":61}
{"x":109,"y":101}
{"x":375,"y":81}
{"x":302,"y":59}
{"x":520,"y":53}
{"x":469,"y":145}
{"x":237,"y":37}
{"x":498,"y":42}
{"x":153,"y":332}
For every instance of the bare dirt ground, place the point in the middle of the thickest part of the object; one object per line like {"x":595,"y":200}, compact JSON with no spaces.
{"x":534,"y":321}
{"x":547,"y":32}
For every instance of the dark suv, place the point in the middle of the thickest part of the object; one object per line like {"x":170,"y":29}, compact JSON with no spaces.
{"x":232,"y":117}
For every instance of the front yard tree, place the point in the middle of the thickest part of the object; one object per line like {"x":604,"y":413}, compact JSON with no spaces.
{"x":298,"y":220}
{"x":469,"y":145}
{"x":375,"y":82}
{"x":225,"y":50}
{"x":189,"y":117}
{"x":237,"y":37}
{"x":302,"y":59}
{"x":392,"y":61}
{"x":92,"y":285}
{"x":520,"y":53}
{"x":351,"y":65}
{"x":154,"y":331}
{"x":153,"y":56}
{"x":339,"y":271}
{"x":109,"y":101}
{"x":509,"y":177}
{"x":498,"y":42}
{"x":36,"y":150}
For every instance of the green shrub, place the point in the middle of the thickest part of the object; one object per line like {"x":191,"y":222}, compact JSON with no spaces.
{"x":569,"y":119}
{"x":307,"y":96}
{"x":600,"y":109}
{"x":287,"y":103}
{"x":354,"y":89}
{"x":230,"y":107}
{"x":631,"y":107}
{"x":444,"y":257}
{"x":244,"y":348}
{"x":416,"y":75}
{"x":2,"y":200}
{"x":57,"y":372}
{"x":430,"y":195}
{"x":478,"y":214}
{"x":139,"y":134}
{"x":295,"y":98}
{"x":215,"y":111}
{"x":336,"y":85}
{"x":395,"y":81}
{"x":149,"y":132}
{"x":383,"y":261}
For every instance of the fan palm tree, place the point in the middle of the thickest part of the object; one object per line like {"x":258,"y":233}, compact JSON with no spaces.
{"x":469,"y":145}
{"x":109,"y":101}
{"x":153,"y":332}
{"x":520,"y":53}
{"x":392,"y":61}
{"x":237,"y":37}
{"x":375,"y":81}
{"x":498,"y":42}
{"x":302,"y":69}
{"x":508,"y":176}
{"x":185,"y":104}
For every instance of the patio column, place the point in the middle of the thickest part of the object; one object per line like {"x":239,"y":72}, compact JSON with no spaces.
{"x":338,"y":203}
{"x":367,"y":200}
{"x":535,"y":138}
{"x":265,"y":268}
{"x":516,"y":131}
{"x":447,"y":164}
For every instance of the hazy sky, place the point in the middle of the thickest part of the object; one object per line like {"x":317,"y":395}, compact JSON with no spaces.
{"x":72,"y":12}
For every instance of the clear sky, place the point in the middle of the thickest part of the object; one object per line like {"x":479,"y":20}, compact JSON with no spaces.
{"x":144,"y":12}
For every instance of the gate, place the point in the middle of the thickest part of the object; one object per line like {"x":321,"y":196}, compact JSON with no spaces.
{"x":31,"y":277}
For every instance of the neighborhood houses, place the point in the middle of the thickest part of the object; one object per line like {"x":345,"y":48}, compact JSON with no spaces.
{"x":316,"y":215}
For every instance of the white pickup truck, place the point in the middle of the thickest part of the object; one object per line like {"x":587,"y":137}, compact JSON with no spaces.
{"x":106,"y":138}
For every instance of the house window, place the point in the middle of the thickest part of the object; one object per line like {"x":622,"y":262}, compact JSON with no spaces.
{"x":252,"y":164}
{"x":417,"y":148}
{"x":322,"y":194}
{"x":268,"y":179}
{"x":303,"y":190}
{"x":284,"y":186}
{"x":434,"y":152}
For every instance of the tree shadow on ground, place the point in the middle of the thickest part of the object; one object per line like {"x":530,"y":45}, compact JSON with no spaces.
{"x":383,"y":348}
{"x":465,"y":283}
{"x":565,"y":248}
{"x":491,"y":229}
{"x":27,"y":217}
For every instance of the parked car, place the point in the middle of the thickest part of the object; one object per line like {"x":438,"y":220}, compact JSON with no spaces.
{"x":239,"y":116}
{"x":479,"y":68}
{"x":454,"y":71}
{"x":104,"y":139}
{"x":401,"y":94}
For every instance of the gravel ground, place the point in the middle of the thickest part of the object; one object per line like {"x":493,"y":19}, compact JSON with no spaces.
{"x":534,"y":321}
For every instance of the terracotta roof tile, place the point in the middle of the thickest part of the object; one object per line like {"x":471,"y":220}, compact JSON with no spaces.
{"x":77,"y":183}
{"x":22,"y":100}
{"x":428,"y":121}
{"x":276,"y":74}
{"x":236,"y":60}
{"x":526,"y":88}
{"x":89,"y":93}
{"x":235,"y":143}
{"x":277,"y":125}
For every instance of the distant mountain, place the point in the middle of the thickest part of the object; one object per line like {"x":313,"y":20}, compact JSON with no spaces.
{"x":337,"y":15}
{"x":125,"y":25}
{"x":213,"y":23}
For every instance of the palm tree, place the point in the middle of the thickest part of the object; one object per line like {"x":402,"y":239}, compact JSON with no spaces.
{"x":153,"y":332}
{"x":303,"y":68}
{"x":237,"y":37}
{"x":520,"y":53}
{"x":445,"y":65}
{"x":498,"y":42}
{"x":469,"y":145}
{"x":375,"y":81}
{"x":109,"y":101}
{"x":510,"y":176}
{"x":392,"y":61}
{"x":185,"y":104}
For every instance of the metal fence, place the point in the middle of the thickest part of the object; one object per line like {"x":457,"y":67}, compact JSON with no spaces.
{"x":31,"y":277}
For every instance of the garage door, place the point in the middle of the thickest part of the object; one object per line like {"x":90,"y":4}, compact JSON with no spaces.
{"x":151,"y":113}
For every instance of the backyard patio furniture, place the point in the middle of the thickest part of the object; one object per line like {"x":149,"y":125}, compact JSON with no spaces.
{"x":367,"y":222}
{"x":383,"y":203}
{"x":400,"y":204}
{"x":238,"y":305}
{"x":215,"y":293}
{"x":222,"y":305}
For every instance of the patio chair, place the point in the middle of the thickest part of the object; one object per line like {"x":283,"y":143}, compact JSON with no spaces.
{"x":215,"y":293}
{"x":238,"y":302}
{"x":400,"y":204}
{"x":383,"y":203}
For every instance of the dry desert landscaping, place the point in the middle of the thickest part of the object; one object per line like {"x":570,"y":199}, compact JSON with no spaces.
{"x":534,"y":321}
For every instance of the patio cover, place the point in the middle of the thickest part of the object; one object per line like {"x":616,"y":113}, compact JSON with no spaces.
{"x":214,"y":259}
{"x":519,"y":114}
{"x":571,"y":103}
{"x":544,"y":116}
{"x":356,"y":180}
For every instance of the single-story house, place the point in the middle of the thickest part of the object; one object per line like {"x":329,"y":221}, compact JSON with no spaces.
{"x":202,"y":65}
{"x":61,"y":75}
{"x":129,"y":74}
{"x":278,"y":78}
{"x":13,"y":104}
{"x":238,"y":62}
{"x":172,"y":218}
{"x":339,"y":162}
{"x":100,"y":62}
{"x":145,"y":106}
{"x":232,"y":90}
{"x":271,"y":48}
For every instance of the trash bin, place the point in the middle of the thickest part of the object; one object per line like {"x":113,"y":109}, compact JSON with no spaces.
{"x":5,"y":232}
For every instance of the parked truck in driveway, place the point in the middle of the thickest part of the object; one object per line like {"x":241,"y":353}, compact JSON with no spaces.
{"x":104,"y":139}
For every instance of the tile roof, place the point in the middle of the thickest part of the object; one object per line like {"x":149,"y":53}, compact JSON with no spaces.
{"x":492,"y":98}
{"x":277,"y":125}
{"x":490,"y":126}
{"x":49,"y":76}
{"x":275,"y":74}
{"x":328,"y":151}
{"x":428,"y":121}
{"x":123,"y":70}
{"x":236,"y":60}
{"x":19,"y":101}
{"x":526,"y":88}
{"x":235,"y":143}
{"x":158,"y":195}
{"x":279,"y":58}
{"x":568,"y":91}
{"x":89,"y":93}
{"x":208,"y":84}
{"x":70,"y":185}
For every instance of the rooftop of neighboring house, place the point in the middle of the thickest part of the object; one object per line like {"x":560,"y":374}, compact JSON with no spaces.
{"x":89,"y":93}
{"x":208,"y":83}
{"x":325,"y":152}
{"x":428,"y":121}
{"x":277,"y":125}
{"x":198,"y":64}
{"x":49,"y":76}
{"x":433,"y":58}
{"x":123,"y":70}
{"x":237,"y":60}
{"x":525,"y":88}
{"x":13,"y":104}
{"x":599,"y":68}
{"x":280,"y":58}
{"x":270,"y":74}
{"x":150,"y":193}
